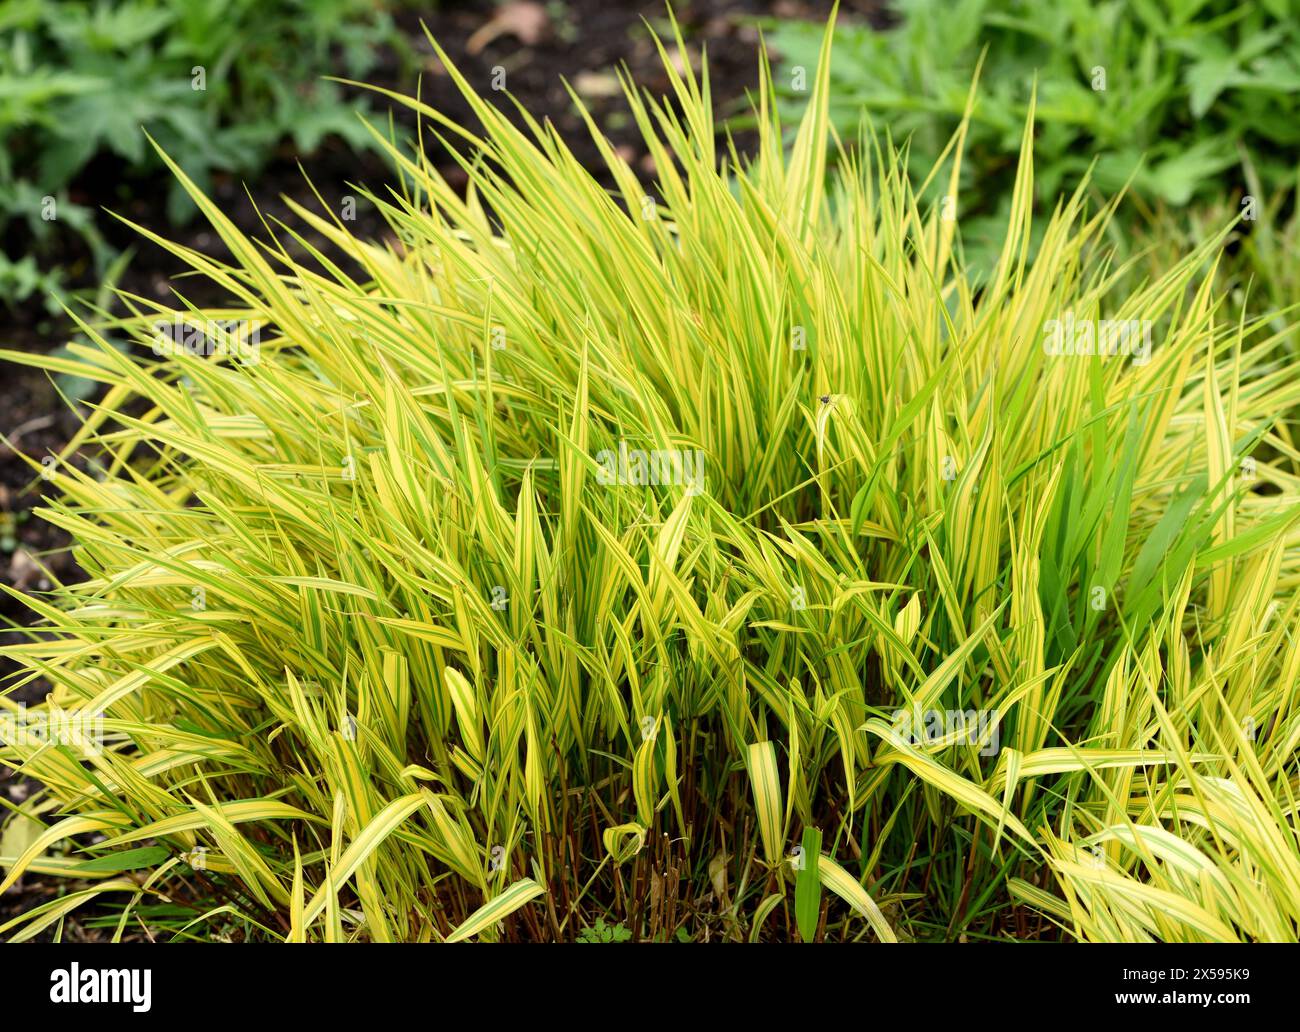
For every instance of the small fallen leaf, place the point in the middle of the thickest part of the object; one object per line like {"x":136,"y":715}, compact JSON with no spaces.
{"x":23,"y":569}
{"x":525,"y":20}
{"x":596,"y":84}
{"x":682,"y":63}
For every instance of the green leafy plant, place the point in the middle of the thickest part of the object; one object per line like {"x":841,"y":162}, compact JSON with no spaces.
{"x":219,"y":83}
{"x":1169,"y":93}
{"x":570,"y":563}
{"x":601,"y":932}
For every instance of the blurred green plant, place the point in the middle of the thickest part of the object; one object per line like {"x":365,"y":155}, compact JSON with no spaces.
{"x":1168,"y":92}
{"x":219,"y":83}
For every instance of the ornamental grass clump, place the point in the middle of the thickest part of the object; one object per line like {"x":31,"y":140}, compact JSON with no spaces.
{"x":714,"y":561}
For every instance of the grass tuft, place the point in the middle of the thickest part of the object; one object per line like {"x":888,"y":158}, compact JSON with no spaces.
{"x":566,"y":561}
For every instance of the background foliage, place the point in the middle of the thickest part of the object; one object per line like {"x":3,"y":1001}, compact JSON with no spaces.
{"x":1201,"y":98}
{"x":80,"y":78}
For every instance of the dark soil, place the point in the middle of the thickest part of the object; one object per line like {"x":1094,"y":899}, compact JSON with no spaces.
{"x":583,"y":42}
